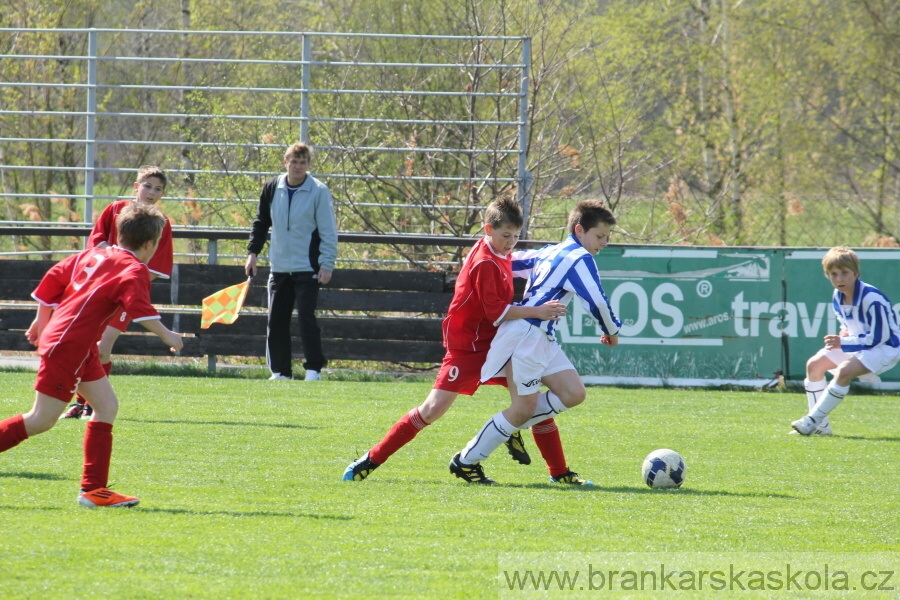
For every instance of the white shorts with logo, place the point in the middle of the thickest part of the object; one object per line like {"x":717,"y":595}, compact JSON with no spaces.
{"x":532,"y":353}
{"x":878,"y":359}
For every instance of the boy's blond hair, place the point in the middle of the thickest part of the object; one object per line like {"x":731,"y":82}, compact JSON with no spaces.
{"x":298,"y":150}
{"x":138,"y":224}
{"x":148,"y":171}
{"x":841,"y":257}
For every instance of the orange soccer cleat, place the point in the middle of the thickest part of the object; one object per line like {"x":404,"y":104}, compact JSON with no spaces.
{"x":105,"y":497}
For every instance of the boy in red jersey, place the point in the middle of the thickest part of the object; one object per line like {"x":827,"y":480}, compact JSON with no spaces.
{"x":527,"y":351}
{"x":77,"y":298}
{"x":148,"y":189}
{"x":481,"y":300}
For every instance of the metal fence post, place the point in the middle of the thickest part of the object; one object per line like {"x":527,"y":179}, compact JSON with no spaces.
{"x":213,"y":260}
{"x":306,"y":57}
{"x":523,"y":191}
{"x":90,"y":134}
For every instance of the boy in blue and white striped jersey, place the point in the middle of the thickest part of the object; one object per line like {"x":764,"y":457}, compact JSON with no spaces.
{"x":869,"y":341}
{"x":525,"y":350}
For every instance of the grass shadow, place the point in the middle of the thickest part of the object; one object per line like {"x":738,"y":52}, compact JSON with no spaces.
{"x":6,"y":507}
{"x":640,"y":490}
{"x":27,"y":475}
{"x":592,"y":489}
{"x":863,"y":438}
{"x":230,"y":423}
{"x":241,"y":514}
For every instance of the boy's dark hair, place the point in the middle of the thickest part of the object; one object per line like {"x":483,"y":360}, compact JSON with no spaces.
{"x":298,"y":150}
{"x":504,"y":211}
{"x":148,"y":171}
{"x":139,"y":224}
{"x":589,"y":214}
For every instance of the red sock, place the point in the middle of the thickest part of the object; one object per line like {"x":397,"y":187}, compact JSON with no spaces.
{"x":98,"y":441}
{"x":400,"y":434}
{"x":12,"y":432}
{"x":546,"y":437}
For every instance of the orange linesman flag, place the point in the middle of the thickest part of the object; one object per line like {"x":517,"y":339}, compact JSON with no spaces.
{"x":224,"y":306}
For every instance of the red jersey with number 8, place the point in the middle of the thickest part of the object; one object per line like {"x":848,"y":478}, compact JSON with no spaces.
{"x":86,"y":291}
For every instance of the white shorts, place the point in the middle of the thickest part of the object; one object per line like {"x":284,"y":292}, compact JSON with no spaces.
{"x":533,"y":355}
{"x":878,"y":359}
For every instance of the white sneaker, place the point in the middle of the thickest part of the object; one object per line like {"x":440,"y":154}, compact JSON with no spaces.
{"x":823,"y":429}
{"x":312,"y":375}
{"x":805,"y":426}
{"x":820,"y":430}
{"x":278,"y":377}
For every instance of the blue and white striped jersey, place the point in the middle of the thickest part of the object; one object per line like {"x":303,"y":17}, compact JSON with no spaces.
{"x":870,"y":320}
{"x":558,"y":272}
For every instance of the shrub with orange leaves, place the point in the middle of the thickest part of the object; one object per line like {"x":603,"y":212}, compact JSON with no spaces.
{"x":679,"y":214}
{"x":877,"y":240}
{"x":31,"y":212}
{"x":573,"y":154}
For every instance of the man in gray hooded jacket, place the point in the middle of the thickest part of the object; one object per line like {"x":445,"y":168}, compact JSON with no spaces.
{"x":298,"y":209}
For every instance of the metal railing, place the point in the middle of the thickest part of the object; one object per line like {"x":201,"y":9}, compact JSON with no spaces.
{"x":150,"y":82}
{"x":214,"y":236}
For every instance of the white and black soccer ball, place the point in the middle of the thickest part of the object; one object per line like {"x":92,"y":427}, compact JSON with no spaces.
{"x":663,"y":468}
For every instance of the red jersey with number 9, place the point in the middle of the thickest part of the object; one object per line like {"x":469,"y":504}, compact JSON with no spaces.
{"x":86,"y":291}
{"x":482,"y":294}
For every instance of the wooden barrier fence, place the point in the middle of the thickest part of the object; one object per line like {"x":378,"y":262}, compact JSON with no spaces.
{"x":371,"y":315}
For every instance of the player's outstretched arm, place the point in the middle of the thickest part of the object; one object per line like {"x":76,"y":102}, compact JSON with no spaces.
{"x":550,"y":311}
{"x":169,"y":337}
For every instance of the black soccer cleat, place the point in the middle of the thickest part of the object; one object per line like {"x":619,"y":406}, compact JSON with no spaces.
{"x":359,"y":469}
{"x":471,"y":473}
{"x":571,"y":477}
{"x":75,"y":411}
{"x":516,"y":447}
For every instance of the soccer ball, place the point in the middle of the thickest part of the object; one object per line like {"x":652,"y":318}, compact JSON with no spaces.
{"x":663,"y":468}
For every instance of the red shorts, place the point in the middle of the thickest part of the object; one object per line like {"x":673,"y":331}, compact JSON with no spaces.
{"x":60,"y":382}
{"x":120,"y":321}
{"x":461,"y":372}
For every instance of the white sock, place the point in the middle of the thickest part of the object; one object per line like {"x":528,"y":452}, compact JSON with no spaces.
{"x":548,"y":405}
{"x":814,"y":391}
{"x":495,"y":432}
{"x":833,"y":395}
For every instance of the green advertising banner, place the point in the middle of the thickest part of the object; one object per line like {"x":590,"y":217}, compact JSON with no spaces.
{"x":710,"y":316}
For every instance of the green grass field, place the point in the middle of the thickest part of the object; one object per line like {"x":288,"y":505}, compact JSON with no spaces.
{"x":241,"y":493}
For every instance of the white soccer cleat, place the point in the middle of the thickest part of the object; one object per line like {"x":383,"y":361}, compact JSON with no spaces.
{"x":805,"y":426}
{"x":279,"y":377}
{"x":820,"y":430}
{"x":312,"y":375}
